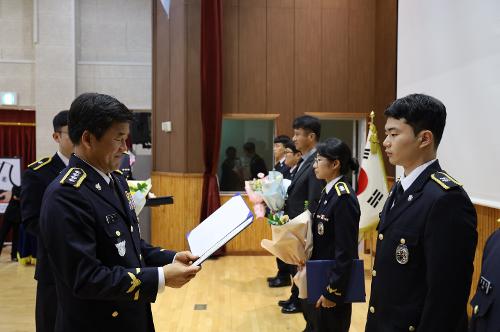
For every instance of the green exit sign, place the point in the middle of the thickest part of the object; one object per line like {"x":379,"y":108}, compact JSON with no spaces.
{"x":8,"y":98}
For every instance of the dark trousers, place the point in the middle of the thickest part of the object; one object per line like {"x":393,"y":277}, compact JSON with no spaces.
{"x":46,"y":307}
{"x":285,"y":270}
{"x":336,"y":319}
{"x":8,"y":223}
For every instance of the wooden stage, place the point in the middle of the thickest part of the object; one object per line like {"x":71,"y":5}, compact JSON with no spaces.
{"x":233,"y":288}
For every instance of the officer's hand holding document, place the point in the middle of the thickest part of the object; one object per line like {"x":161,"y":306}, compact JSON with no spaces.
{"x":292,"y":243}
{"x":220,"y":227}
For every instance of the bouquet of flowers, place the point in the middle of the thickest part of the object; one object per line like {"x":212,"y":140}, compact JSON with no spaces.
{"x":292,"y":242}
{"x":270,"y":190}
{"x":139,"y":191}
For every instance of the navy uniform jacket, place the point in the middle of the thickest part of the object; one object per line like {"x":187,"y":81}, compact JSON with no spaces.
{"x":424,"y":259}
{"x":282,"y":168}
{"x":106,"y":275}
{"x":36,"y":179}
{"x":304,"y":187}
{"x":335,"y":227}
{"x":486,"y":302}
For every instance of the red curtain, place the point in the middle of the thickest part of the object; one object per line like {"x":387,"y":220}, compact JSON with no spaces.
{"x":17,"y":135}
{"x":211,"y":100}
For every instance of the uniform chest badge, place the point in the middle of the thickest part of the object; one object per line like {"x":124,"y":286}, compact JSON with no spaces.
{"x":121,"y":248}
{"x":321,"y":228}
{"x":98,"y":186}
{"x":402,"y":254}
{"x":131,"y":203}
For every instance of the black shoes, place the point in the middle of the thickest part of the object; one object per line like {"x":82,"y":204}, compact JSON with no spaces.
{"x":280,"y":282}
{"x":284,"y":303}
{"x":291,"y":308}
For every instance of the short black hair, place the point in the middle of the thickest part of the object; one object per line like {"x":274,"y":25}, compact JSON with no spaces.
{"x":60,"y":120}
{"x":291,"y":145}
{"x":309,"y":124}
{"x":283,"y":139}
{"x":336,"y":149}
{"x":421,"y":112}
{"x":249,"y":147}
{"x":95,"y":113}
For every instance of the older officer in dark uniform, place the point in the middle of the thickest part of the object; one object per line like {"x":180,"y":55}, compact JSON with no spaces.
{"x":35,"y":180}
{"x":427,"y":232}
{"x":106,"y":275}
{"x":335,"y":228}
{"x":486,"y":302}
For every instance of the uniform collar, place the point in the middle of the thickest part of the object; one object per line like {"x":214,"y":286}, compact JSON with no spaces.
{"x":105,"y":176}
{"x":330,"y":184}
{"x":407,"y":181}
{"x":63,"y":158}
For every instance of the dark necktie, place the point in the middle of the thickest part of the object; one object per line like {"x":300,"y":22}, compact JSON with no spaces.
{"x":398,"y":193}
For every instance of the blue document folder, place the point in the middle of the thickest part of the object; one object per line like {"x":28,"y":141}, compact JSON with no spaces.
{"x":318,"y":275}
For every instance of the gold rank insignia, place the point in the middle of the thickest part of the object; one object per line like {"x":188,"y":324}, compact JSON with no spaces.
{"x":341,"y":188}
{"x":40,"y":163}
{"x":445,"y":180}
{"x":74,"y":177}
{"x":334,"y":291}
{"x":134,"y":283}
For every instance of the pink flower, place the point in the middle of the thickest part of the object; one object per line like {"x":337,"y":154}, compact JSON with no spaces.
{"x":260,"y":175}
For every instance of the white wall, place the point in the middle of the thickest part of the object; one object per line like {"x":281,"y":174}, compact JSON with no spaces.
{"x":83,"y":46}
{"x":114,"y":49}
{"x":17,"y":53}
{"x":450,"y":49}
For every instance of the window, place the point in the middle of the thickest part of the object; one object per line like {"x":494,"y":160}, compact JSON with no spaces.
{"x":349,"y":127}
{"x":246,"y":149}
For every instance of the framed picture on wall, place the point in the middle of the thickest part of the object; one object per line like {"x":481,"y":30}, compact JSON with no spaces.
{"x":10,"y":175}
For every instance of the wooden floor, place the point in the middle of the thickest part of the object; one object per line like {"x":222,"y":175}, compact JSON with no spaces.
{"x":233,"y":288}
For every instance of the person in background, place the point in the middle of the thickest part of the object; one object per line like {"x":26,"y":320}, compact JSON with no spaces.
{"x":257,"y":164}
{"x":279,"y":153}
{"x":335,"y":225}
{"x":35,"y":181}
{"x":11,"y":220}
{"x":486,"y":302}
{"x":305,"y":189}
{"x":231,"y":177}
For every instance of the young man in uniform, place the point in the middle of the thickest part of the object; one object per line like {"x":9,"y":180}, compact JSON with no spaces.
{"x":34,"y":182}
{"x":106,"y":276}
{"x":427,"y":233}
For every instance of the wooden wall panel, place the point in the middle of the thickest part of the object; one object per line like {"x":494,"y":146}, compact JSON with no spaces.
{"x":335,"y":56}
{"x":230,"y":51}
{"x":386,"y":21}
{"x":192,"y":130}
{"x":178,"y":91}
{"x":280,"y":61}
{"x":248,"y":241}
{"x":252,"y":56}
{"x":161,"y":86}
{"x":171,"y":223}
{"x":308,"y":64}
{"x":361,"y":60}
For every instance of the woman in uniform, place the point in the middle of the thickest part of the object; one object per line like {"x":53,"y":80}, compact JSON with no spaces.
{"x":335,"y":233}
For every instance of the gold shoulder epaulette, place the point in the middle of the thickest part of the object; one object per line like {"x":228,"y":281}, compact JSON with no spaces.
{"x":342,"y":188}
{"x":40,"y":163}
{"x":118,"y":171}
{"x":445,"y":180}
{"x":74,"y":177}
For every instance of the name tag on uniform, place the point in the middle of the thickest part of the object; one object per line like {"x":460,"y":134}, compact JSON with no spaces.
{"x":485,"y":285}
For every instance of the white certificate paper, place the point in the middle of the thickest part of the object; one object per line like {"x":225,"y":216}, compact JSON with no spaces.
{"x":220,"y":227}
